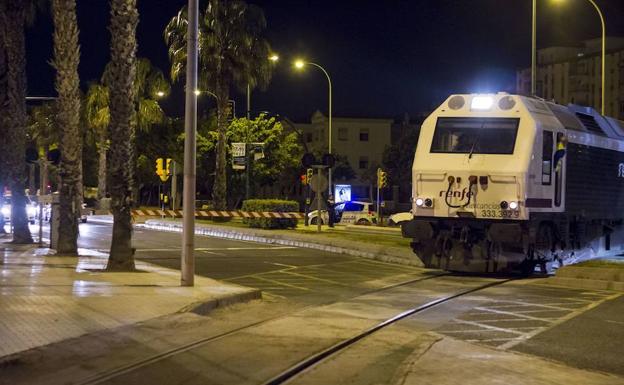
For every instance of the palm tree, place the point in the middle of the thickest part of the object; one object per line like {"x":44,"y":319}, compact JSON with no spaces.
{"x":97,"y":116}
{"x":232,"y":51}
{"x":121,"y":75}
{"x":66,"y":60}
{"x":14,"y":16}
{"x":150,"y":85}
{"x":43,"y":131}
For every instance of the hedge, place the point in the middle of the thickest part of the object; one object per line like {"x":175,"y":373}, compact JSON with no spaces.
{"x":271,"y":205}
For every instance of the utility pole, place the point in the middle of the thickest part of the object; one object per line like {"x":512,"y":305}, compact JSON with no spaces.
{"x":247,"y":152}
{"x":174,"y":186}
{"x":190,"y":129}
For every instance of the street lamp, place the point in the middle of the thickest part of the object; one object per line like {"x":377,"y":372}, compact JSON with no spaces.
{"x":299,"y":64}
{"x":604,"y":50}
{"x":160,"y":94}
{"x":272,"y":58}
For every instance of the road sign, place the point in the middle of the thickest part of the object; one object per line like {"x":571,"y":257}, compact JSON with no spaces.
{"x":238,"y":156}
{"x":315,"y":186}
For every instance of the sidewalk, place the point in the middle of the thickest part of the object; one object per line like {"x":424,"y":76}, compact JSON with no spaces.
{"x":46,"y":298}
{"x":328,"y":240}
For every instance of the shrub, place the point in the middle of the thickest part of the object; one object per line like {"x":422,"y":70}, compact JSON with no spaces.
{"x":272,"y":205}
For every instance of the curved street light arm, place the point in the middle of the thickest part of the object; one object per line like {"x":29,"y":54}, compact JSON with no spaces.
{"x":604,"y":50}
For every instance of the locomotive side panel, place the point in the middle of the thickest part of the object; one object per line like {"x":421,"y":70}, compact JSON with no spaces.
{"x":594,"y":182}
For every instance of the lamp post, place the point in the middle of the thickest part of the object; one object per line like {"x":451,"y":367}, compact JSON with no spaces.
{"x":603,"y":54}
{"x":299,"y":64}
{"x":533,"y":48}
{"x":190,"y":129}
{"x":604,"y":50}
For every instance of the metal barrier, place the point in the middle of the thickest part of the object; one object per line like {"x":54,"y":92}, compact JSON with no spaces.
{"x":218,"y":214}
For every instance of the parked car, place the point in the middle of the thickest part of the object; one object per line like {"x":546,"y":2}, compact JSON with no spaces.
{"x":31,"y":209}
{"x":348,"y":213}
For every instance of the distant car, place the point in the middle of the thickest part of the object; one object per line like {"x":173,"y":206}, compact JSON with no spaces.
{"x":31,"y":209}
{"x":84,"y":212}
{"x":347,"y":213}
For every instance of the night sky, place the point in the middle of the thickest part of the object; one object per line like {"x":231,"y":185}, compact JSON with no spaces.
{"x":385,"y":57}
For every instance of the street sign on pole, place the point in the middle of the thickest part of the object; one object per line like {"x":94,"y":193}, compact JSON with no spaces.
{"x":318,"y":180}
{"x":238,"y":156}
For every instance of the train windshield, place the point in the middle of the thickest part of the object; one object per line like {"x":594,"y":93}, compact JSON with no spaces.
{"x":475,"y":135}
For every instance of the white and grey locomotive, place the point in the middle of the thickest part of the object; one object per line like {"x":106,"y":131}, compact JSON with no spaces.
{"x":507,"y":182}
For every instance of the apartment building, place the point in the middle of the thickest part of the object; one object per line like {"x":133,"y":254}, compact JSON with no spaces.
{"x":573,"y":75}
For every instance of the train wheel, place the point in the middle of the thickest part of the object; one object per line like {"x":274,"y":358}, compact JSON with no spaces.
{"x":314,"y":221}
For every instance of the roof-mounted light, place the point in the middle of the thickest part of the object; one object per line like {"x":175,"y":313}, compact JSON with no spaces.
{"x":481,"y":103}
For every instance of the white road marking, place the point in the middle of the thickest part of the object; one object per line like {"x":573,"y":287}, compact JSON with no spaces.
{"x":573,"y":314}
{"x":485,"y":309}
{"x":491,"y":328}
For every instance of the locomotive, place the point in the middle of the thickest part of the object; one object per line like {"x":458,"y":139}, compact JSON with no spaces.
{"x":506,"y":182}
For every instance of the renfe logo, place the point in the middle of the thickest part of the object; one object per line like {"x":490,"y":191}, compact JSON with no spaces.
{"x":456,"y":194}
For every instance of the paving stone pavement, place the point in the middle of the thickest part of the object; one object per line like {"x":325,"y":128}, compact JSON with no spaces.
{"x":46,"y":298}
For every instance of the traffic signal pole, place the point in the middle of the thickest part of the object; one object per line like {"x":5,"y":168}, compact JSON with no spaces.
{"x":190,"y":129}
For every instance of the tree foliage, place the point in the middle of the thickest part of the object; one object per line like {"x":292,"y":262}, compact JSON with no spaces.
{"x":232,"y":52}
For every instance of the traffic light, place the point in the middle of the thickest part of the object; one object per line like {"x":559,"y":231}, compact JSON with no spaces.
{"x":382,"y":178}
{"x":168,"y":167}
{"x":159,"y":167}
{"x":304,"y":180}
{"x":309,"y":173}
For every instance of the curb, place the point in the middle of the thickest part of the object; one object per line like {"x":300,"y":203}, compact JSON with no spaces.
{"x":592,"y":284}
{"x":205,"y":307}
{"x":594,"y":278}
{"x":353,"y":249}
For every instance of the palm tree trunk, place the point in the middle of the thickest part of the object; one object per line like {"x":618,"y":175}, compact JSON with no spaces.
{"x":219,"y":191}
{"x":66,"y":59}
{"x":102,"y":152}
{"x":124,"y":19}
{"x":13,"y":22}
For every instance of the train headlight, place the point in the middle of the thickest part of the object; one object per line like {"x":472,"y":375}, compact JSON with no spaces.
{"x":481,"y":103}
{"x":419,"y":202}
{"x":513,"y":205}
{"x":504,"y":205}
{"x":428,"y":202}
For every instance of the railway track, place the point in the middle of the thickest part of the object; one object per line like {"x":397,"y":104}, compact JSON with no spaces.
{"x":301,"y":366}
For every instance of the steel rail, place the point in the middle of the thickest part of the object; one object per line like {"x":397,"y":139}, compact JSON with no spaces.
{"x":327,"y":353}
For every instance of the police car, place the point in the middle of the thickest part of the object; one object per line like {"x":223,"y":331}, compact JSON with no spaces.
{"x":348,"y":213}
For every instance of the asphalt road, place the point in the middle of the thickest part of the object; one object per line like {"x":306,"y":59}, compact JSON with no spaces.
{"x":593,"y":340}
{"x":304,"y":275}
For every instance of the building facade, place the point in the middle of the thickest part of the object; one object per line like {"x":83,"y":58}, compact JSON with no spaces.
{"x":573,"y":75}
{"x":357,"y":142}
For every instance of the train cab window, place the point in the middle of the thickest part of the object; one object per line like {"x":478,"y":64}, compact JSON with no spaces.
{"x":475,"y":135}
{"x":547,"y":155}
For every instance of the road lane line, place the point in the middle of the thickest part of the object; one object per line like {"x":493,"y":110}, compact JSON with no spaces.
{"x":280,"y":283}
{"x":490,"y":327}
{"x":511,"y":314}
{"x":314,"y":278}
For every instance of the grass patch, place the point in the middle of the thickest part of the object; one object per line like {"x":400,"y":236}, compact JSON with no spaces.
{"x":394,"y":240}
{"x":383,"y":240}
